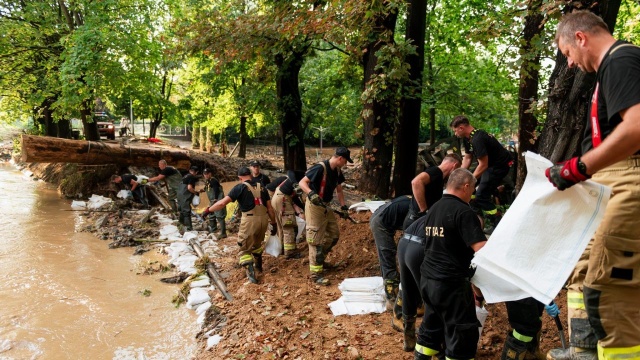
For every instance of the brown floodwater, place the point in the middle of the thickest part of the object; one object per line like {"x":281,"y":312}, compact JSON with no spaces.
{"x":66,"y":295}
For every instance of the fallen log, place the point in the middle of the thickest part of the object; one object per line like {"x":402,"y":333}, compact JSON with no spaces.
{"x":48,"y":149}
{"x":213,"y":273}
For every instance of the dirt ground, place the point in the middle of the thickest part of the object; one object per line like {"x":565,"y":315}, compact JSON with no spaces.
{"x":286,"y":316}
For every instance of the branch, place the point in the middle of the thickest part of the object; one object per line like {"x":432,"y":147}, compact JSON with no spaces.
{"x":333,"y":47}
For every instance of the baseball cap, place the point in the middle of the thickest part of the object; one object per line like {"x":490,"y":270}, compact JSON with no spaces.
{"x":194,"y":168}
{"x":206,"y":171}
{"x":345,"y":153}
{"x":244,"y":171}
{"x":254,"y":163}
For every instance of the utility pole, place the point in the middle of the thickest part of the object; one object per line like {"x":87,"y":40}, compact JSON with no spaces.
{"x":322,"y":130}
{"x":133,"y":127}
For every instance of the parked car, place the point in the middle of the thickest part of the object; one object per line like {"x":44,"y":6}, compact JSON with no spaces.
{"x":106,"y":128}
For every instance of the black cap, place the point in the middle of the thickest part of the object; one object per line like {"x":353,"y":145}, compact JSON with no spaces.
{"x":194,"y":168}
{"x":206,"y":171}
{"x":244,"y":171}
{"x":345,"y":153}
{"x":254,"y":163}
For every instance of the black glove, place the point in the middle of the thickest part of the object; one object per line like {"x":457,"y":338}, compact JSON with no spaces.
{"x":315,"y":199}
{"x":567,"y":174}
{"x":342,"y":213}
{"x":344,"y":207}
{"x":205,"y":213}
{"x":274,"y":229}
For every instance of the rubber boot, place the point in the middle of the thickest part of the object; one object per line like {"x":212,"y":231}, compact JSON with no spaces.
{"x":187,"y":222}
{"x":533,"y":349}
{"x":396,"y":317}
{"x":251,"y":273}
{"x":320,"y":280}
{"x":514,"y":349}
{"x":257,"y":260}
{"x":390,"y":292}
{"x":409,"y":333}
{"x":572,"y":353}
{"x":213,"y":224}
{"x":223,"y":229}
{"x":418,"y":356}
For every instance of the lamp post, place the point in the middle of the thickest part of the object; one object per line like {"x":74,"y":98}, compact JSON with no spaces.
{"x":322,"y":130}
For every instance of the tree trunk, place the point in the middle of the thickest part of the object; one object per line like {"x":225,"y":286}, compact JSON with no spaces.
{"x":90,"y":127}
{"x":64,"y":129}
{"x":404,"y":168}
{"x":378,"y":117}
{"x":195,"y":136}
{"x":242,"y":151}
{"x":528,"y":89}
{"x":570,"y":92}
{"x":51,"y":149}
{"x":289,"y":107}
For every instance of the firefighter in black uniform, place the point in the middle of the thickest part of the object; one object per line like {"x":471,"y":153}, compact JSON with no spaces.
{"x":494,"y":162}
{"x":453,"y":233}
{"x":186,"y":192}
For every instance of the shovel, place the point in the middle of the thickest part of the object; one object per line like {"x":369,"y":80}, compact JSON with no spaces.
{"x":560,"y":331}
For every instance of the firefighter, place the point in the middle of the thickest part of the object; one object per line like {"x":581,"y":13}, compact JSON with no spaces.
{"x":322,"y":229}
{"x":186,"y":192}
{"x":256,"y":209}
{"x":172,"y":179}
{"x":214,"y":192}
{"x":287,"y":205}
{"x":494,"y":162}
{"x":605,"y":286}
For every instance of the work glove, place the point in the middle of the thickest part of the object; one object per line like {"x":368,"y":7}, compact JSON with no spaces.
{"x":342,"y":213}
{"x":315,"y":199}
{"x":205,"y":213}
{"x":298,"y":190}
{"x":344,"y":207}
{"x":565,"y":175}
{"x":552,"y":309}
{"x":274,"y":229}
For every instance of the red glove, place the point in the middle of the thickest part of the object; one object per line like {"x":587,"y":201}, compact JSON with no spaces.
{"x":205,"y":213}
{"x":565,"y":175}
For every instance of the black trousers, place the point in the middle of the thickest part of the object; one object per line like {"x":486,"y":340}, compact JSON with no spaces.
{"x":449,"y":318}
{"x":525,"y":316}
{"x":410,"y":256}
{"x":489,"y":181}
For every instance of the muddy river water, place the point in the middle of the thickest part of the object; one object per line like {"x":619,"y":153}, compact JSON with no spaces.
{"x":65,"y":295}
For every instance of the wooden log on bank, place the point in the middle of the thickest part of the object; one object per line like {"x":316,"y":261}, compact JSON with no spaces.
{"x":47,"y":149}
{"x":211,"y":270}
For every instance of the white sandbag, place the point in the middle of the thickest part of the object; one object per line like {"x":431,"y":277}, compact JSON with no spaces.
{"x":186,"y":263}
{"x":96,"y":202}
{"x":200,"y":283}
{"x":367,"y":206}
{"x":188,"y":235}
{"x":536,"y":245}
{"x":273,"y":246}
{"x":197,"y":296}
{"x":341,"y":307}
{"x":196,"y":200}
{"x":124,"y":194}
{"x":78,"y":205}
{"x":213,"y":341}
{"x":481,"y":314}
{"x":301,"y":225}
{"x":373,"y":284}
{"x":167,"y":230}
{"x":202,"y":308}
